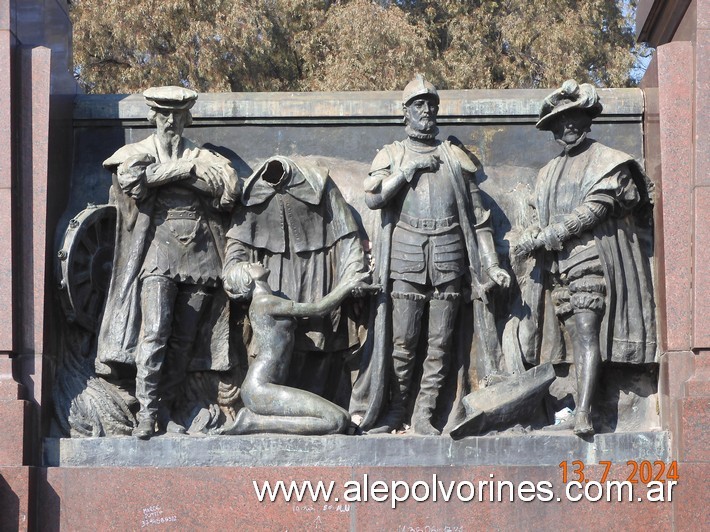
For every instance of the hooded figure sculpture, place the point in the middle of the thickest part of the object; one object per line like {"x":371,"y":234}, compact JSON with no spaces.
{"x":294,"y":221}
{"x":165,"y":302}
{"x":591,"y":248}
{"x":436,"y":236}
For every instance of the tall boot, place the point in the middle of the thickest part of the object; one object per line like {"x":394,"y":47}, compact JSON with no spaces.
{"x":587,"y":357}
{"x":157,"y":299}
{"x":407,"y":310}
{"x":187,"y":312}
{"x":442,"y":314}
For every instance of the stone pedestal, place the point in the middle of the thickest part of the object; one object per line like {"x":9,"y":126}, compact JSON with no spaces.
{"x":211,"y":483}
{"x":219,"y":498}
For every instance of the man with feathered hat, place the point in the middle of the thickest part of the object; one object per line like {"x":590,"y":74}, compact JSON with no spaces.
{"x":591,"y":248}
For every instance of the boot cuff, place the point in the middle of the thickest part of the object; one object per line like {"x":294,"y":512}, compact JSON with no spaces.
{"x":412,"y":296}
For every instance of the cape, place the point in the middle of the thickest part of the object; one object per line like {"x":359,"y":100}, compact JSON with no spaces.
{"x":308,"y":203}
{"x":121,"y":322}
{"x":623,"y":241}
{"x":303,"y":230}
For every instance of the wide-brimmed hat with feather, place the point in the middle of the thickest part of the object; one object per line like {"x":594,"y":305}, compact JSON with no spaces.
{"x":571,"y":95}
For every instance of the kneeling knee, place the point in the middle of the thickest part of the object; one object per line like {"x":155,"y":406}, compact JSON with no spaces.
{"x":339,"y":421}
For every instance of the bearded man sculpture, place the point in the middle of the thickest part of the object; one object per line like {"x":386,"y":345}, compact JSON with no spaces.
{"x":436,"y":233}
{"x":165,"y":292}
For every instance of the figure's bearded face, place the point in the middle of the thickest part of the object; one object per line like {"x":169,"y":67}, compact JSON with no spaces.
{"x":420,"y":114}
{"x":170,"y":123}
{"x":571,"y":125}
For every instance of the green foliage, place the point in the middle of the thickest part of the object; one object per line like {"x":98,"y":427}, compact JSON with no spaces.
{"x":273,"y":45}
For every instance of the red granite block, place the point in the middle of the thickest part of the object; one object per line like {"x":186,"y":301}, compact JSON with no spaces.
{"x":6,"y":105}
{"x":695,"y":429}
{"x":676,"y":140}
{"x":703,"y":14}
{"x":34,"y":157}
{"x":200,"y":498}
{"x":6,"y":143}
{"x":219,"y":498}
{"x":10,"y":389}
{"x":702,"y":107}
{"x":13,"y":420}
{"x":15,"y":498}
{"x":6,"y":273}
{"x":699,"y":384}
{"x":682,"y":366}
{"x":685,"y":402}
{"x":676,"y":369}
{"x":701,"y":274}
{"x":690,"y":498}
{"x":502,"y":514}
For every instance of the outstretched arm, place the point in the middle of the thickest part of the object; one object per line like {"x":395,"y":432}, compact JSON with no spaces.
{"x":484,"y":236}
{"x":328,"y":304}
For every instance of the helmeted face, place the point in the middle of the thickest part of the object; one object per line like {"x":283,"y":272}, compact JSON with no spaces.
{"x":570,"y":126}
{"x":170,"y":122}
{"x":420,"y":114}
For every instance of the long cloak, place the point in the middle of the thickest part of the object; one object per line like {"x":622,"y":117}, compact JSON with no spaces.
{"x":304,"y":232}
{"x":623,"y":241}
{"x":121,"y":322}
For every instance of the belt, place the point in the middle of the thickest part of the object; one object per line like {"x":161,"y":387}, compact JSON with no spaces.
{"x":430,"y":224}
{"x":180,"y":215}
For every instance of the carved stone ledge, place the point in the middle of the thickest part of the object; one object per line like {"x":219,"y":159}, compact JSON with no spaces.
{"x":299,"y":108}
{"x":329,"y":451}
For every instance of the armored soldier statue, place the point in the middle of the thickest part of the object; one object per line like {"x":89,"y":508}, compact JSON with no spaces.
{"x":165,"y":287}
{"x":438,"y":238}
{"x":590,"y":247}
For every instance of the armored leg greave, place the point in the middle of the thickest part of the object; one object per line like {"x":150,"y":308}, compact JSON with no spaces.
{"x":442,"y":314}
{"x":407,"y":310}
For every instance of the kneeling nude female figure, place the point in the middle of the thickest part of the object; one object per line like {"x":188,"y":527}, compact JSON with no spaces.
{"x":269,"y":406}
